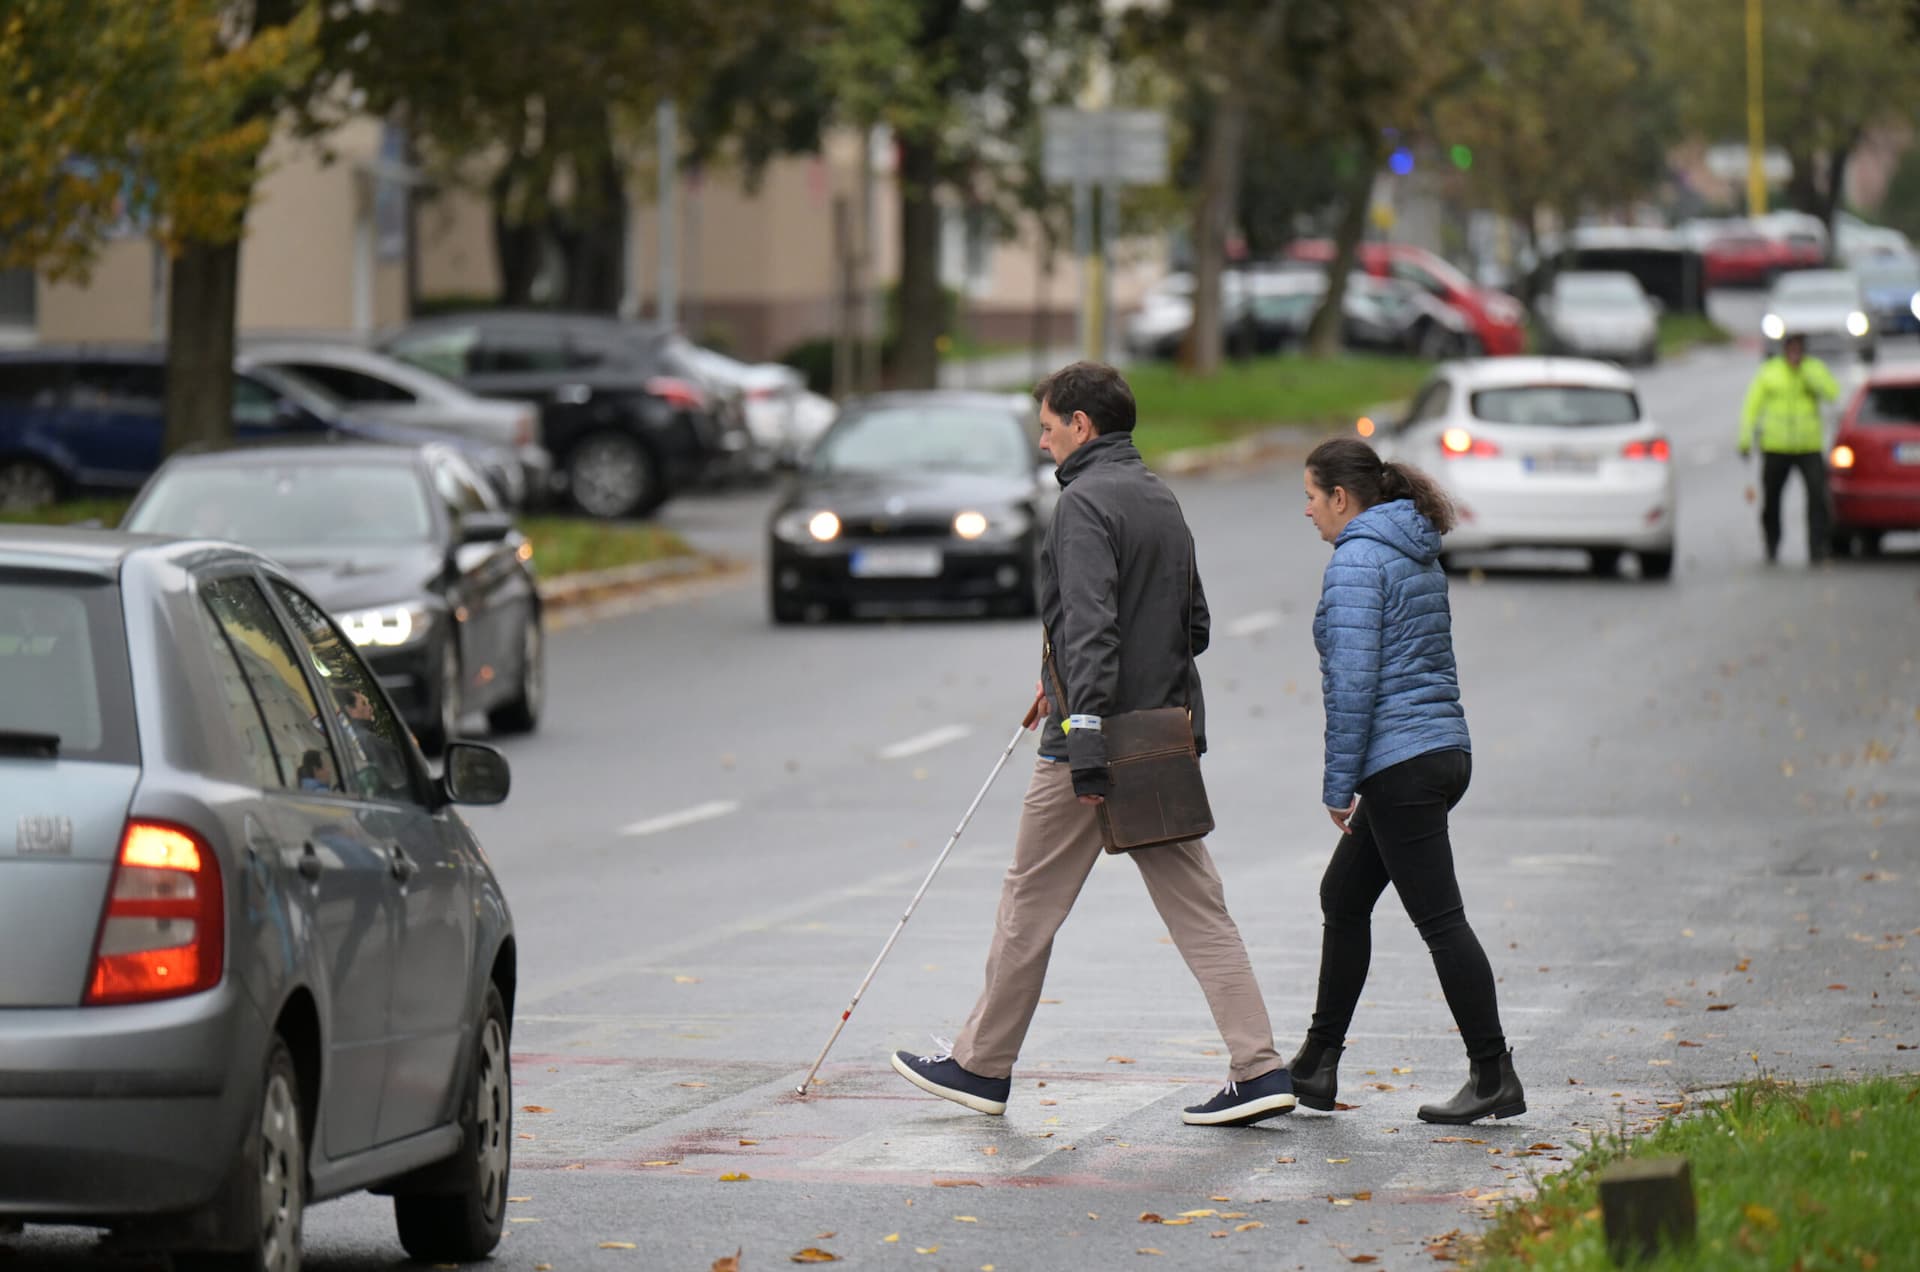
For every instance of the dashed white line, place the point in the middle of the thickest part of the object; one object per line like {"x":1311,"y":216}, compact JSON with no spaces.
{"x":925,"y":742}
{"x":1265,"y":620}
{"x":685,"y":817}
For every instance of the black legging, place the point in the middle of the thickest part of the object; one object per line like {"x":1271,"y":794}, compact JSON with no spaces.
{"x":1399,"y":836}
{"x":1775,"y":468}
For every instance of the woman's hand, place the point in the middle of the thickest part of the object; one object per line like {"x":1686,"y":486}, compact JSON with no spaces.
{"x":1343,"y":817}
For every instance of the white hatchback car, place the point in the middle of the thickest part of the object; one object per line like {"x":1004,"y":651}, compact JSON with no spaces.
{"x":1543,"y":453}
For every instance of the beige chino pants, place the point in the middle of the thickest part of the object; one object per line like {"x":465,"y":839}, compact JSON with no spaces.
{"x":1058,"y":842}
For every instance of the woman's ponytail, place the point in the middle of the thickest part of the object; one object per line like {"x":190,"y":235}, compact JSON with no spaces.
{"x":1350,"y":463}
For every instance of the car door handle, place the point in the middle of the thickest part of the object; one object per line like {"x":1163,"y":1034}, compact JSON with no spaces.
{"x":310,"y":864}
{"x":403,"y":865}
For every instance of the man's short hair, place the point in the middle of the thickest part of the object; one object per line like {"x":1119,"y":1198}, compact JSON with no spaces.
{"x":1093,"y":387}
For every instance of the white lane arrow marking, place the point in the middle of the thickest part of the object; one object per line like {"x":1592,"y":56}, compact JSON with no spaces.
{"x":925,"y":742}
{"x":685,"y":817}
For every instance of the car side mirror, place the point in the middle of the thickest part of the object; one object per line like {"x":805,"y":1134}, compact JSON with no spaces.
{"x":475,"y":774}
{"x":485,"y":527}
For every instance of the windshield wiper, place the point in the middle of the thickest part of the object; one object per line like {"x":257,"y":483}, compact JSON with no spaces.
{"x":29,"y":742}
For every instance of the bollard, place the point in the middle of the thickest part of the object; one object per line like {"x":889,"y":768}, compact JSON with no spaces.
{"x":1647,"y":1205}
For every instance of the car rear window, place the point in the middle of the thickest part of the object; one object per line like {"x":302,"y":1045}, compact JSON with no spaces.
{"x":1556,"y":405}
{"x":63,"y":665}
{"x":1889,"y":404}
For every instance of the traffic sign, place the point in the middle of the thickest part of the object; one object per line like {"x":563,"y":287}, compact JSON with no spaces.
{"x":1104,"y":147}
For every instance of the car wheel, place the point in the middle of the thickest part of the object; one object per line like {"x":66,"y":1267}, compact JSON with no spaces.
{"x":463,"y":1224}
{"x":614,"y":475}
{"x":522,"y":713}
{"x":1656,"y":565}
{"x":1840,"y":543}
{"x":446,"y":703}
{"x":26,"y":484}
{"x":1434,"y":342}
{"x":1606,"y":562}
{"x":267,"y":1189}
{"x":1870,"y":543}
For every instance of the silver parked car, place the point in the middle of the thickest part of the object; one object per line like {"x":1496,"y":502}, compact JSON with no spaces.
{"x":1600,"y":314}
{"x":389,"y":391}
{"x":1827,"y":306}
{"x":250,"y":956}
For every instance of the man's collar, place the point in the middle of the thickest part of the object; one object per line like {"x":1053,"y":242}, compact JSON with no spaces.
{"x":1104,"y":448}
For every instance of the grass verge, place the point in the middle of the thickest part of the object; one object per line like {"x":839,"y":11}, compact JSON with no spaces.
{"x":561,"y":545}
{"x":1178,"y":411}
{"x":1784,"y":1177}
{"x":1681,"y":332}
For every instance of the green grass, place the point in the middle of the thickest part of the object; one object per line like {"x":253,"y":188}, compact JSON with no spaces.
{"x":1680,"y":332}
{"x":561,"y":545}
{"x":1784,"y":1178}
{"x":1177,"y":411}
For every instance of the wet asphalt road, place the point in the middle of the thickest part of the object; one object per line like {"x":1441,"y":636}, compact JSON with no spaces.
{"x":1691,"y":849}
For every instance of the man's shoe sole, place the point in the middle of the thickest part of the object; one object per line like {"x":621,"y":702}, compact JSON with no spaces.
{"x":978,"y":1104}
{"x":1244,"y":1114}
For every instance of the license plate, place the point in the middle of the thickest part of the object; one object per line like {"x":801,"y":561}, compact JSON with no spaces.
{"x":1907,"y":453}
{"x":896,"y":563}
{"x":1561,"y":463}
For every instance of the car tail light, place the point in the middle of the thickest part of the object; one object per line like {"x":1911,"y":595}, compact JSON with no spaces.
{"x":763,"y":392}
{"x":523,"y":429}
{"x":1457,"y":442}
{"x":1842,"y":456}
{"x":677,"y":392}
{"x":1657,"y":450}
{"x":164,"y":931}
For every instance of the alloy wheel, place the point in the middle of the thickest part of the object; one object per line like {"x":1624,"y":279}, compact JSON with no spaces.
{"x":492,"y":1117}
{"x":25,"y":485}
{"x":611,"y":476}
{"x":282,"y":1177}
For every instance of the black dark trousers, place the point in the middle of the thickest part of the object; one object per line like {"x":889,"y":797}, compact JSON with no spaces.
{"x":1399,"y":836}
{"x":1774,"y":470}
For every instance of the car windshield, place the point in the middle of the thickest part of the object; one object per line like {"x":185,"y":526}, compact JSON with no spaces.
{"x":1889,"y":404}
{"x":1599,"y":292}
{"x":936,"y":437}
{"x":1817,"y":289}
{"x":1894,"y":272}
{"x":320,"y":503}
{"x":63,"y":669}
{"x":1556,"y":405}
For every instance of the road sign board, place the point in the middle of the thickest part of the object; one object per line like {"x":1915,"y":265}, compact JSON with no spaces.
{"x":1100,"y":147}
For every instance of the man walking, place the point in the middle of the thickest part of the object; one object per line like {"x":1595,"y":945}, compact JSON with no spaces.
{"x":1125,"y":614}
{"x":1783,"y":406}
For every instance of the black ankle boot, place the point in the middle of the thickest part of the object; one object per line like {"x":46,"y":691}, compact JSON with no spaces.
{"x":1316,"y":1075}
{"x":1492,"y":1090}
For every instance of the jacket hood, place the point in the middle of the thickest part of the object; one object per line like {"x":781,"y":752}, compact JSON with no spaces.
{"x":1107,"y":448}
{"x":1400,"y":526}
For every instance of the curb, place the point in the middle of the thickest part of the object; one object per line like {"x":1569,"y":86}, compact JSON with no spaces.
{"x":592,"y":587}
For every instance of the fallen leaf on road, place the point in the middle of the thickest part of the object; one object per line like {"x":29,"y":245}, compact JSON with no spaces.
{"x":734,"y":1177}
{"x":543,"y":1267}
{"x":1146,"y":1250}
{"x":574,"y":1166}
{"x":1233,"y":1214}
{"x":965,"y":1219}
{"x":1720,"y":1006}
{"x":1836,"y":987}
{"x":512,"y":1199}
{"x":518,"y":1219}
{"x":686,"y":980}
{"x":1457,"y":1139}
{"x":1674,"y":1002}
{"x":727,"y":1263}
{"x":1219,"y":1199}
{"x":1342,"y":1201}
{"x":1053,"y":1001}
{"x":990,"y":1151}
{"x":668,"y":1162}
{"x":1544,"y":1147}
{"x":957,"y":1183}
{"x":535,"y":1108}
{"x":1199,"y":1214}
{"x":813,"y":1254}
{"x":1119,"y":1059}
{"x":1684,"y":1043}
{"x":1364,"y":1258}
{"x":1338,"y":1161}
{"x":618,"y":1245}
{"x":1363,"y":1196}
{"x":525,"y":1135}
{"x":1658,"y":1064}
{"x":926,"y":1249}
{"x":1403,"y":1070}
{"x":1049,"y":1103}
{"x":824,"y":1236}
{"x":1149,"y":1217}
{"x":690,"y":1084}
{"x":891,"y":1238}
{"x":1343,"y":1107}
{"x":1284,"y":1161}
{"x":1743,"y":965}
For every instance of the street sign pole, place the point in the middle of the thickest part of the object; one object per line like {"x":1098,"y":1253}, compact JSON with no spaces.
{"x":1083,"y":251}
{"x":1108,"y":149}
{"x":1756,"y":117}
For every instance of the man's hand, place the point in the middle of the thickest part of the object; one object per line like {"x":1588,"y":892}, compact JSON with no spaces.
{"x":1091,"y":800}
{"x":1037,"y":713}
{"x":1343,"y":817}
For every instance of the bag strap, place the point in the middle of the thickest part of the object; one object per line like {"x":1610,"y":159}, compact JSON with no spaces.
{"x":1187,"y":625}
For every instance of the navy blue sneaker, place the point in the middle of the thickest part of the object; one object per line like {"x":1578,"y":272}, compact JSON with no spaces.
{"x":1244,"y":1103}
{"x":942,"y":1075}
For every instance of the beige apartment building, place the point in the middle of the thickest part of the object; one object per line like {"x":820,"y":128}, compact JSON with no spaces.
{"x":758,"y":271}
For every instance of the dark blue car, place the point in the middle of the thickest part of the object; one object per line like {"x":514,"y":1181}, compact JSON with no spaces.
{"x":1892,"y":288}
{"x":77,"y":420}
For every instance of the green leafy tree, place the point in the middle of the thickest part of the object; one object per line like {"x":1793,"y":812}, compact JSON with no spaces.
{"x":160,"y":112}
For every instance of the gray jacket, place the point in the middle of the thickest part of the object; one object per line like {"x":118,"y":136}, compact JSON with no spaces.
{"x":1116,"y":573}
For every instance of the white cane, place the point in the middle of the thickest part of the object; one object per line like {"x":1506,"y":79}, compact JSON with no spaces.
{"x":1033,"y":713}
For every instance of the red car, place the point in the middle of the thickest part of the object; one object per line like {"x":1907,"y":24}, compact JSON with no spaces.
{"x":1755,"y":260}
{"x":1497,"y":320}
{"x":1874,"y":466}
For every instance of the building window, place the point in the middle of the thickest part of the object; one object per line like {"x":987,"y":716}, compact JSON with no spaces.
{"x":16,"y":298}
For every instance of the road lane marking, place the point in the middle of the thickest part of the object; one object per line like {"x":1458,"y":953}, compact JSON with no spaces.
{"x":685,"y":817}
{"x":926,"y":741}
{"x":1251,"y":624}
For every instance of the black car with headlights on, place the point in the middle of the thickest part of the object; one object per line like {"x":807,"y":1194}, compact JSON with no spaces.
{"x":934,"y":500}
{"x":407,"y":548}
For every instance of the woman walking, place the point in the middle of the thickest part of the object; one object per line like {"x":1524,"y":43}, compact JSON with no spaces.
{"x":1397,"y":762}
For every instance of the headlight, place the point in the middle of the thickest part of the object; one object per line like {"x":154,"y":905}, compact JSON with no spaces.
{"x":1008,"y":523}
{"x":802,"y":526}
{"x":1914,"y":304}
{"x":1773,"y":327}
{"x":1857,"y":324}
{"x":387,"y":625}
{"x":970,"y":525}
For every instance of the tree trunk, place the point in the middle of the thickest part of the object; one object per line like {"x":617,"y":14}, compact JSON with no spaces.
{"x":918,"y":362}
{"x":1323,"y":335}
{"x":1836,"y":192}
{"x":202,"y":296}
{"x":596,"y":247}
{"x":1802,"y":192}
{"x":516,"y":242}
{"x":1219,"y":197}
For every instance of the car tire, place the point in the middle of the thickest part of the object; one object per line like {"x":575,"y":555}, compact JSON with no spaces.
{"x":1605,"y":562}
{"x":445,"y":722}
{"x":612,"y":474}
{"x":265,"y":1195}
{"x":1656,"y":565}
{"x":784,"y":610}
{"x":521,"y":714}
{"x":463,"y":1223}
{"x":1870,"y":543}
{"x":26,"y":484}
{"x":1840,"y":543}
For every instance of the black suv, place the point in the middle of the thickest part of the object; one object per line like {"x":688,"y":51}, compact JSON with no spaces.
{"x":627,"y":419}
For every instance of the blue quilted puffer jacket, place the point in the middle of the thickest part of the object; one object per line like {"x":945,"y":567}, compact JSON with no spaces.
{"x":1385,"y":637}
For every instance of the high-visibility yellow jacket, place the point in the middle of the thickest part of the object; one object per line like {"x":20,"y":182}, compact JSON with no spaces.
{"x":1784,"y":406}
